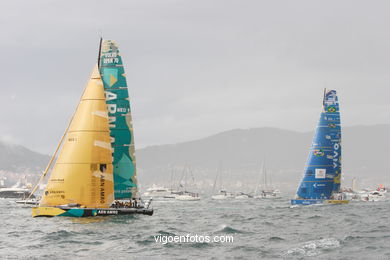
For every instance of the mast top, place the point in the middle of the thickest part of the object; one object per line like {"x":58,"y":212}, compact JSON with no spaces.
{"x":100,"y":51}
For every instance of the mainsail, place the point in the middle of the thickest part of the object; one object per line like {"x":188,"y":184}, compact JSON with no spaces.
{"x":121,"y":129}
{"x":83,"y":171}
{"x":323,"y":169}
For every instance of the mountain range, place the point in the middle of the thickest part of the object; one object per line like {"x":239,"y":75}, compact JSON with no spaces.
{"x":237,"y":155}
{"x":17,"y":158}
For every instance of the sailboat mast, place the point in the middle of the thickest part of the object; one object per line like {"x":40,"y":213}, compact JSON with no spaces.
{"x":323,"y":99}
{"x":100,"y":52}
{"x":258,"y":184}
{"x":265,"y":177}
{"x":172,"y":173}
{"x":185,"y":180}
{"x":215,"y":181}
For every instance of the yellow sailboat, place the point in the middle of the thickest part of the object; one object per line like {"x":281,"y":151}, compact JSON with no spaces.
{"x":81,"y":183}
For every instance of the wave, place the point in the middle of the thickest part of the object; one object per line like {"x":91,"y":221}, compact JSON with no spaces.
{"x":315,"y":217}
{"x":229,"y":230}
{"x":60,"y":234}
{"x":315,"y":247}
{"x":165,"y":233}
{"x":276,"y":239}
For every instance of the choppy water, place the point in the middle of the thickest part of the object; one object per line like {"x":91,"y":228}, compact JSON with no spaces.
{"x":262,"y":229}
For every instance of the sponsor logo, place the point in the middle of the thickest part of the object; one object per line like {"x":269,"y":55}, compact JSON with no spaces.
{"x":102,"y":190}
{"x":318,"y":153}
{"x":110,"y":57}
{"x":54,"y":192}
{"x":57,"y":180}
{"x":320,"y":173}
{"x":107,"y":212}
{"x":336,"y":154}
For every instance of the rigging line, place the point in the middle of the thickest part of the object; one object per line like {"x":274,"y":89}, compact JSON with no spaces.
{"x":323,"y":100}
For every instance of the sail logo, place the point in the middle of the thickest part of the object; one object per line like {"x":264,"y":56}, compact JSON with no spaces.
{"x":336,"y":147}
{"x":110,"y":60}
{"x":122,"y":110}
{"x":110,"y":95}
{"x":320,"y":173}
{"x":331,"y":109}
{"x":102,"y":190}
{"x":331,"y":98}
{"x":110,"y":57}
{"x":111,"y":108}
{"x":318,"y":153}
{"x":111,"y":54}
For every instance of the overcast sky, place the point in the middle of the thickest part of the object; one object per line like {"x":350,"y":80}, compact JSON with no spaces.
{"x":195,"y":67}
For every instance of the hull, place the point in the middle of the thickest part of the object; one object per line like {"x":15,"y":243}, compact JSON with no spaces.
{"x":371,"y":197}
{"x":8,"y":193}
{"x":31,"y":202}
{"x":221,"y":197}
{"x":336,"y":201}
{"x":187,"y":198}
{"x":242,"y":197}
{"x":87,"y":212}
{"x":317,"y":201}
{"x":268,"y":196}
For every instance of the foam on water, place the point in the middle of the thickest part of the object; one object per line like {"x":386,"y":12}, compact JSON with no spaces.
{"x":313,"y":248}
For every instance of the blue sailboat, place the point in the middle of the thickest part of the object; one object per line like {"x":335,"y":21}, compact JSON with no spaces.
{"x":322,"y":175}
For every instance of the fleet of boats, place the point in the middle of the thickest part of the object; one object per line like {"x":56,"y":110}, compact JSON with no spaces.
{"x":20,"y":190}
{"x":264,"y":190}
{"x":93,"y":170}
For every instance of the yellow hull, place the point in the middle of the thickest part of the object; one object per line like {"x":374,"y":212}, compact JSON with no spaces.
{"x":336,"y":201}
{"x":46,"y":212}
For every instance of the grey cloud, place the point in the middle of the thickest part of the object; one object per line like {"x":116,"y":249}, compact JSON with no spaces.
{"x":195,"y":67}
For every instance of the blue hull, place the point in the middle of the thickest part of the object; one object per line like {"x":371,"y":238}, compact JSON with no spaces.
{"x":306,"y":201}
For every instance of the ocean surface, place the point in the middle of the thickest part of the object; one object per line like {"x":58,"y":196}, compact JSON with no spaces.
{"x":261,"y":229}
